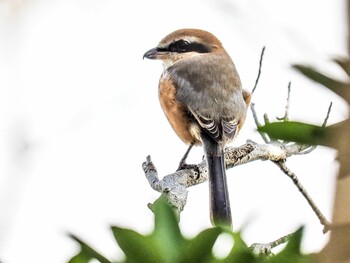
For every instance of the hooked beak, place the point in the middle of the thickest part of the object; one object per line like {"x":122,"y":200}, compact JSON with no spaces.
{"x":152,"y":54}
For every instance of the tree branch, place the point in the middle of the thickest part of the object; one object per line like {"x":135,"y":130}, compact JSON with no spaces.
{"x":286,"y":113}
{"x":319,"y":214}
{"x":174,"y":186}
{"x":260,"y":66}
{"x":296,"y":149}
{"x":266,"y":249}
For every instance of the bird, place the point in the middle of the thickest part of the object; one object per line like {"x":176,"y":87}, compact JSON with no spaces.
{"x":201,"y":95}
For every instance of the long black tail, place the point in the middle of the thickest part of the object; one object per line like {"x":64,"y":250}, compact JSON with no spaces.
{"x":220,"y":211}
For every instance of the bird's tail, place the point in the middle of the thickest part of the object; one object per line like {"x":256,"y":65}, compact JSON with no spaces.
{"x":220,"y":211}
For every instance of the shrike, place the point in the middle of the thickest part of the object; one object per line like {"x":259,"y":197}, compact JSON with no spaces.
{"x":201,"y":95}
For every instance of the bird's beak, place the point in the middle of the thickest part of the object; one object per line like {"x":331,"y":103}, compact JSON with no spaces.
{"x":151,"y":54}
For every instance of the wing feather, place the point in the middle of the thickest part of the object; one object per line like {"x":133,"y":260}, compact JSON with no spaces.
{"x":229,"y":127}
{"x":212,"y":102}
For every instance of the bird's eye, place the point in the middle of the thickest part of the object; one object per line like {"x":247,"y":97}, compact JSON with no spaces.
{"x":179,"y":46}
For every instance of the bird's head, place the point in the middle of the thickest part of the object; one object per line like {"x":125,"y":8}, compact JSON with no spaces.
{"x":182,"y":44}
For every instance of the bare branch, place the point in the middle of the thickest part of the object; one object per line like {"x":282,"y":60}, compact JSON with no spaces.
{"x":174,"y":186}
{"x":280,"y":241}
{"x":293,"y":149}
{"x":266,"y":249}
{"x":291,"y":175}
{"x":151,"y":173}
{"x":300,"y":149}
{"x":327,"y":116}
{"x":266,"y":119}
{"x":263,"y":135}
{"x":259,"y":72}
{"x":286,"y":113}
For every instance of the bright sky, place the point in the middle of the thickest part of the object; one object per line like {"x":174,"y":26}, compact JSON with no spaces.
{"x":79,"y":113}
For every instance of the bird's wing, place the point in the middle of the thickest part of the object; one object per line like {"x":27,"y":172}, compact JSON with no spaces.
{"x":208,"y":124}
{"x":225,"y":129}
{"x":229,"y":127}
{"x":204,"y":90}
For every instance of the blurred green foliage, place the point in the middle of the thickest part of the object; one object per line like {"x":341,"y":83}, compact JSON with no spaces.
{"x":166,"y":244}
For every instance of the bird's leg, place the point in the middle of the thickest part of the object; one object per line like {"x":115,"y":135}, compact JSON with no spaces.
{"x":183,"y":165}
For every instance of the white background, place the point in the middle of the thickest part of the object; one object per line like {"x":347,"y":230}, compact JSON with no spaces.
{"x":79,"y":113}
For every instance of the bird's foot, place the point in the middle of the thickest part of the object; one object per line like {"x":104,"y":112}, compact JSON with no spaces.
{"x":183,"y":165}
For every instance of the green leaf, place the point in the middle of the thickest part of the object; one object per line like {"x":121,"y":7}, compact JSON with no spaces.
{"x":136,"y":247}
{"x":344,"y":63}
{"x":294,"y":242}
{"x":338,"y":87}
{"x":166,"y":234}
{"x":240,"y":252}
{"x":86,"y":253}
{"x":291,"y":253}
{"x":199,"y":249}
{"x":81,"y":257}
{"x":296,"y":132}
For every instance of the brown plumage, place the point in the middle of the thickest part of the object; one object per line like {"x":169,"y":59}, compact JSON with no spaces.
{"x":200,"y":93}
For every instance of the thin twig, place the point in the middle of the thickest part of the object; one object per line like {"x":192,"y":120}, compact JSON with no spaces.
{"x":265,"y":249}
{"x":291,"y":175}
{"x":266,"y":119}
{"x":308,"y":150}
{"x":263,"y":135}
{"x":298,"y":149}
{"x":327,"y":116}
{"x":286,"y":112}
{"x":259,"y":72}
{"x":280,"y":241}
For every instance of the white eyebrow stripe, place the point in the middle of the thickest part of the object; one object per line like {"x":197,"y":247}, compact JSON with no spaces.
{"x":191,"y":39}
